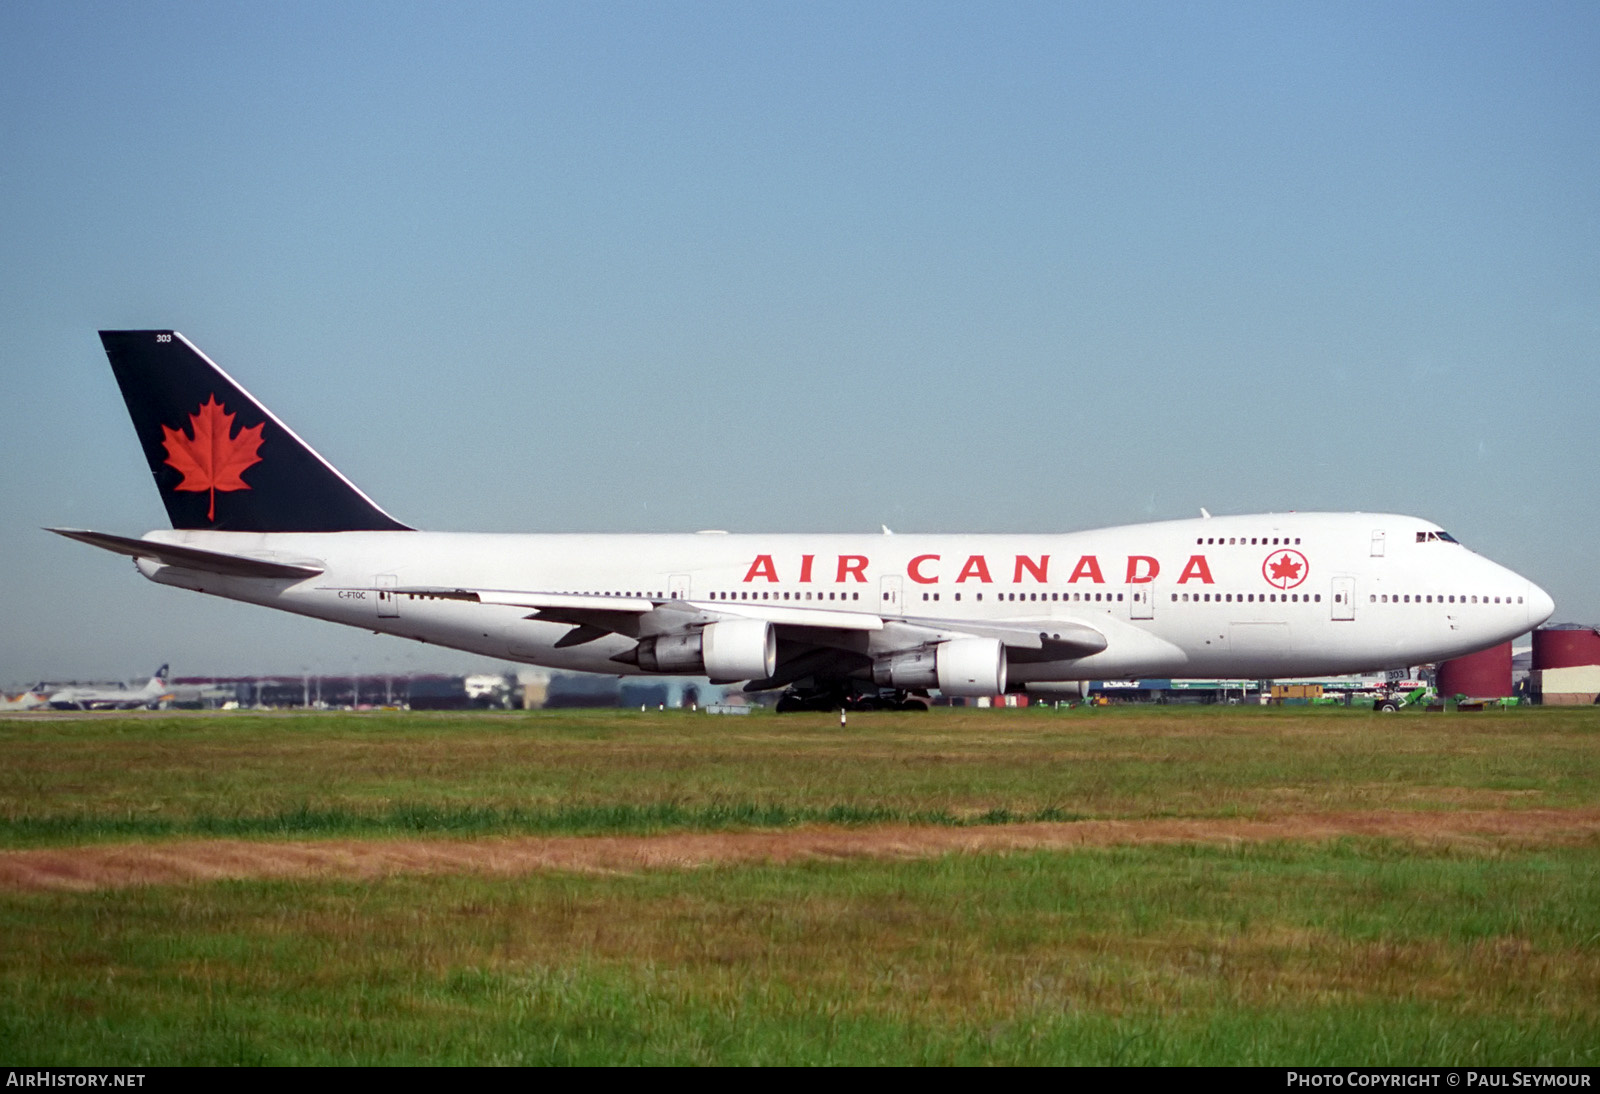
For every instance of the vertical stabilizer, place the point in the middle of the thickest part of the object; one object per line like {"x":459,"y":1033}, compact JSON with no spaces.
{"x":221,"y":460}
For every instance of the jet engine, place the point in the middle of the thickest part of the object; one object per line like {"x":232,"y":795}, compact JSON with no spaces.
{"x":735,"y":649}
{"x":961,"y":666}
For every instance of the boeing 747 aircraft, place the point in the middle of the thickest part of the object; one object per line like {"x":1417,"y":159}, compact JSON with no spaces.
{"x":153,"y":693}
{"x":882,"y":620}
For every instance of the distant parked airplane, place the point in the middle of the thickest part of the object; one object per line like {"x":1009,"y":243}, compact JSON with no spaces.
{"x":872,"y":620}
{"x":154,"y":692}
{"x":31,"y":699}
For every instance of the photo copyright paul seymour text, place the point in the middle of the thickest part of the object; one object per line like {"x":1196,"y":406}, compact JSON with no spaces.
{"x":1472,"y":1080}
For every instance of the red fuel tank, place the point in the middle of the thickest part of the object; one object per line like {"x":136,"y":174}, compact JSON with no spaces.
{"x":1565,"y":647}
{"x":1482,"y":675}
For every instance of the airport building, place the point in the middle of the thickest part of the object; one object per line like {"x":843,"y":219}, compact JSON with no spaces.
{"x":525,"y":689}
{"x":1562,"y":668}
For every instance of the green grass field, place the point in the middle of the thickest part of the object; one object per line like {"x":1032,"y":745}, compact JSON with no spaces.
{"x":1341,"y":950}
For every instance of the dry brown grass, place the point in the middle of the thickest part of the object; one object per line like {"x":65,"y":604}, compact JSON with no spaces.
{"x":122,"y":865}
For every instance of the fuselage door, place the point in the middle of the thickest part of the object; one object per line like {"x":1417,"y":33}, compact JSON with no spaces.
{"x":678,"y":586}
{"x":889,"y":596}
{"x":388,"y":602}
{"x":1141,"y":601}
{"x":1344,"y":598}
{"x":1377,"y":543}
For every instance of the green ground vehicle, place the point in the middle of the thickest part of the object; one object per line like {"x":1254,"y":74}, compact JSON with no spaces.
{"x":1430,"y":699}
{"x":1416,"y":697}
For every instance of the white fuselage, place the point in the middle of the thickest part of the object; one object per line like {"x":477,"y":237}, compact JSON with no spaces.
{"x":109,"y":698}
{"x":1239,"y":596}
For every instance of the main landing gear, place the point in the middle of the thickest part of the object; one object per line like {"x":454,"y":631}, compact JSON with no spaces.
{"x":795,"y":700}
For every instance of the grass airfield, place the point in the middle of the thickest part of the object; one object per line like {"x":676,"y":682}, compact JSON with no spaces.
{"x":1372,"y":924}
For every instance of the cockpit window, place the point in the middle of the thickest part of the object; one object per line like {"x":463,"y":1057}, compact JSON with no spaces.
{"x":1446,"y":537}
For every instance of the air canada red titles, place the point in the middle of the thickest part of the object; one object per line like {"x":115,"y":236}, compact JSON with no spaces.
{"x":932,"y":569}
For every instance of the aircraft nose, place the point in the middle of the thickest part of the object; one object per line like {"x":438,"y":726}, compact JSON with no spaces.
{"x":1540,"y":605}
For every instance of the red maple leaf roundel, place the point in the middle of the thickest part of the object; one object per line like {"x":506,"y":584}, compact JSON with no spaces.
{"x":1285,"y":569}
{"x":208,"y":456}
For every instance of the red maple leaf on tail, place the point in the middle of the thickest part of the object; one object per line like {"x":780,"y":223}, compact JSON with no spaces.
{"x":207,"y":456}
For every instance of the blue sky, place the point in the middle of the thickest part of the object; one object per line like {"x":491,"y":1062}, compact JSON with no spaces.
{"x":790,"y":267}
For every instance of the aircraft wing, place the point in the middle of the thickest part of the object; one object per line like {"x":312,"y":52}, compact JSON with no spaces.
{"x":558,"y":605}
{"x":191,"y":558}
{"x":1025,"y":641}
{"x":596,"y":615}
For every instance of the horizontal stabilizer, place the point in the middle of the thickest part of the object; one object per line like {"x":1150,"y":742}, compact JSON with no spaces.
{"x":190,"y":558}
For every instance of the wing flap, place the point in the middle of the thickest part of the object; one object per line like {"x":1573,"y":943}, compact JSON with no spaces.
{"x":1056,"y":639}
{"x":513,"y":598}
{"x":783,"y":615}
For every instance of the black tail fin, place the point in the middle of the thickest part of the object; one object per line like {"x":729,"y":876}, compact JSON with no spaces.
{"x":221,"y":460}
